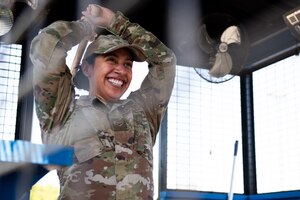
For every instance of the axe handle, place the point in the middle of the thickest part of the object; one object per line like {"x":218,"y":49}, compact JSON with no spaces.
{"x":78,"y":56}
{"x":95,"y":11}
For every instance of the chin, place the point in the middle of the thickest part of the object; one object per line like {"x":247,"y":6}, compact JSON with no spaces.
{"x":115,"y":98}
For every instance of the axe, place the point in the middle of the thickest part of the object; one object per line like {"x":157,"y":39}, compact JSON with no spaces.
{"x":82,"y":45}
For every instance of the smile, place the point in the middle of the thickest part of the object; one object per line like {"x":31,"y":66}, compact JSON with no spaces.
{"x":116,"y":82}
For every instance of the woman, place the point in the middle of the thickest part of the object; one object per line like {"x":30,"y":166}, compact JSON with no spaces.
{"x":112,"y":138}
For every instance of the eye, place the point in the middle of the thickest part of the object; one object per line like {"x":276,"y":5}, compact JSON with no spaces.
{"x":128,"y":65}
{"x":111,"y":59}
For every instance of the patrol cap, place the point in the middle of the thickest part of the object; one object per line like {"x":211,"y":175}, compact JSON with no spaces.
{"x":107,"y":43}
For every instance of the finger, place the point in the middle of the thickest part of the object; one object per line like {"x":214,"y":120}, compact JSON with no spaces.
{"x":89,"y":8}
{"x":95,"y":10}
{"x":86,"y":14}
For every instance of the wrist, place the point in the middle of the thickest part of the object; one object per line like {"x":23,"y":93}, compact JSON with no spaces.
{"x":117,"y":23}
{"x":88,"y":28}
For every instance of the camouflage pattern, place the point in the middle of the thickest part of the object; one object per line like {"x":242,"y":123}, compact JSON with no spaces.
{"x":112,"y":141}
{"x":108,"y":43}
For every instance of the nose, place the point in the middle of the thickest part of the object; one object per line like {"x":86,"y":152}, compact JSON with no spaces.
{"x":121,"y":69}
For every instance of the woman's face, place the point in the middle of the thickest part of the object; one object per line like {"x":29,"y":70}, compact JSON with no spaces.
{"x":111,"y":75}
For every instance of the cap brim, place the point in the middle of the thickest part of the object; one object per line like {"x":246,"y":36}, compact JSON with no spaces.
{"x":137,"y":52}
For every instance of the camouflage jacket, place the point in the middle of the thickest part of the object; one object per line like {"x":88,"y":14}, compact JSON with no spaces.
{"x":112,"y":141}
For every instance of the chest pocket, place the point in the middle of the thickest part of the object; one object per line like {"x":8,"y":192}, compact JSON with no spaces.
{"x":87,"y":148}
{"x":98,"y":140}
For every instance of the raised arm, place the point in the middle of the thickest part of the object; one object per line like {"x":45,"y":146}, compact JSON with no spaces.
{"x":156,"y":88}
{"x":53,"y":89}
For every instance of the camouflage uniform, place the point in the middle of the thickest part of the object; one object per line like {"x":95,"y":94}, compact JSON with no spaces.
{"x":112,"y":141}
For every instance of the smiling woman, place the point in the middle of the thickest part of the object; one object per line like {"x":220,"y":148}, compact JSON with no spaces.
{"x":113,"y":138}
{"x":48,"y":186}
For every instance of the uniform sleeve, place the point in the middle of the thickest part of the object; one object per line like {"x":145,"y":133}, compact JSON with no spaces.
{"x":52,"y":81}
{"x":156,"y":88}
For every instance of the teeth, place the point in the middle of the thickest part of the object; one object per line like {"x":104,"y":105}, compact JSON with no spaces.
{"x":116,"y":82}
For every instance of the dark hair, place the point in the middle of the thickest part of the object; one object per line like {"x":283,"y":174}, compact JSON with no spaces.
{"x":80,"y":80}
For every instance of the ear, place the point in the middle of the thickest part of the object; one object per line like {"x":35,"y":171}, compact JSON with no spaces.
{"x":86,"y":69}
